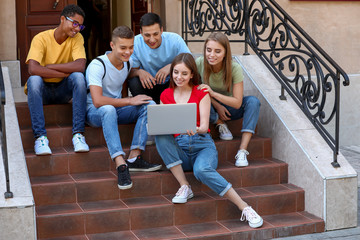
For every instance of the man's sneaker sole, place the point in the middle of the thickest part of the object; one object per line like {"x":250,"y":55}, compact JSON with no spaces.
{"x":82,"y":150}
{"x":145,"y":169}
{"x":183,"y":200}
{"x":256,"y":225}
{"x":227,"y":138}
{"x":241,"y":164}
{"x":125,"y":187}
{"x":43,"y":153}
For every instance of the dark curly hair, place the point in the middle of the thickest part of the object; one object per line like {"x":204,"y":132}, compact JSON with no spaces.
{"x":71,"y":10}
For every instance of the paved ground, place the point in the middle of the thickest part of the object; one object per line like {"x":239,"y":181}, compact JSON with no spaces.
{"x":352,"y":154}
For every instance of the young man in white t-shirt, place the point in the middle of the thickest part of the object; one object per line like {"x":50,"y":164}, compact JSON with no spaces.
{"x":154,"y":50}
{"x":106,"y":108}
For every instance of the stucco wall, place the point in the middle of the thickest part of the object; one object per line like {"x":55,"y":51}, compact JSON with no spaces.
{"x":334,"y":25}
{"x":8,"y":30}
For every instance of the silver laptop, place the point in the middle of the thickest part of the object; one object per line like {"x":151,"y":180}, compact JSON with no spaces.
{"x":171,"y":118}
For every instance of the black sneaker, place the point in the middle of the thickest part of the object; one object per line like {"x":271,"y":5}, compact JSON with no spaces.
{"x":140,"y":165}
{"x":124,"y":180}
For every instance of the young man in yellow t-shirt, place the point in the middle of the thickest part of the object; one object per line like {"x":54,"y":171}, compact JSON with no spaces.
{"x":56,"y":62}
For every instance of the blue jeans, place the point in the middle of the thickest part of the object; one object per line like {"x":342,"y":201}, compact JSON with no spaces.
{"x":249,"y":110}
{"x":108,"y":117}
{"x":197,"y":153}
{"x":39,"y":93}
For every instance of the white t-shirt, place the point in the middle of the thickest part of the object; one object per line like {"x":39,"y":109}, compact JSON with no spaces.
{"x":113,"y":80}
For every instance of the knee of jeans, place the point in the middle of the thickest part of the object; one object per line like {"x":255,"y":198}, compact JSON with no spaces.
{"x":253,"y":101}
{"x":77,"y":75}
{"x":201,"y":173}
{"x":151,"y":102}
{"x":34,"y":83}
{"x":143,"y":109}
{"x":78,"y":79}
{"x":161,"y":140}
{"x":108,"y":111}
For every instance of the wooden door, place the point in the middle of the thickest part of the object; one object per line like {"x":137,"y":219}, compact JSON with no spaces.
{"x":138,"y":8}
{"x":32,"y":17}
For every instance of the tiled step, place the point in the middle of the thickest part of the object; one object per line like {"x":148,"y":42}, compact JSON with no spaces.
{"x":102,"y":185}
{"x":59,"y":127}
{"x":65,"y":161}
{"x":277,"y":225}
{"x":61,"y":115}
{"x":60,"y":135}
{"x":158,"y":211}
{"x":77,"y":197}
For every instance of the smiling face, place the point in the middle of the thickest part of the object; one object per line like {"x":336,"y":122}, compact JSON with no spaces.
{"x":68,"y":27}
{"x":152,"y":35}
{"x":122,"y":48}
{"x":214,"y":53}
{"x":181,"y":75}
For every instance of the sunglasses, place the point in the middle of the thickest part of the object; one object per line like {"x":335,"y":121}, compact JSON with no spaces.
{"x":75,"y":24}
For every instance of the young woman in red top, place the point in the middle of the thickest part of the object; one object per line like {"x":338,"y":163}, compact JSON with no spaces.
{"x":195,"y":150}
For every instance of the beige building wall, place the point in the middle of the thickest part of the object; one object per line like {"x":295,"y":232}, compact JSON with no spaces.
{"x":121,"y":13}
{"x":333,"y":25}
{"x":8,"y":30}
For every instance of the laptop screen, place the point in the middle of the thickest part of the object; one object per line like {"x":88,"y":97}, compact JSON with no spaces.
{"x":171,"y":118}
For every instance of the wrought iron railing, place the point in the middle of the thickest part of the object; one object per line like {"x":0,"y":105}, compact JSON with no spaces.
{"x":8,"y":193}
{"x":308,"y":74}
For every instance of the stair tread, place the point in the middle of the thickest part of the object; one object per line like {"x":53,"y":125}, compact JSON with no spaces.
{"x":165,"y":199}
{"x":274,"y":226}
{"x":223,"y":167}
{"x":77,"y":197}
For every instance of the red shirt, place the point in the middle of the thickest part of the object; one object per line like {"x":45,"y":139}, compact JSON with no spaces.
{"x":167,"y":97}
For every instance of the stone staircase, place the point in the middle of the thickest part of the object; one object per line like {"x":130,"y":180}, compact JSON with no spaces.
{"x":77,"y":197}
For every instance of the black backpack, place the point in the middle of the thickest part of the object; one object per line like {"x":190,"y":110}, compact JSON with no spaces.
{"x":100,"y":60}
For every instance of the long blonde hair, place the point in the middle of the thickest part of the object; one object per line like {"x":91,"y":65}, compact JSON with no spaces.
{"x":227,"y":61}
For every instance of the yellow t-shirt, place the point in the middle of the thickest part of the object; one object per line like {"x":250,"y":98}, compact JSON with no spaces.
{"x":45,"y":50}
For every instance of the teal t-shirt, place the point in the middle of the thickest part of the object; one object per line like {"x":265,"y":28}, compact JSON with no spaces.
{"x":216,"y":81}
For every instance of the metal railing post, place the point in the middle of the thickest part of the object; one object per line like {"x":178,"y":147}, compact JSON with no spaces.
{"x":246,"y":14}
{"x":8,"y":193}
{"x":335,"y":163}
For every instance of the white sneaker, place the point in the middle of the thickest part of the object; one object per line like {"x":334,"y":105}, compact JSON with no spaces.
{"x":240,"y":158}
{"x":249,"y":214}
{"x":183,"y":194}
{"x":224,"y":131}
{"x":79,"y":143}
{"x":42,"y":146}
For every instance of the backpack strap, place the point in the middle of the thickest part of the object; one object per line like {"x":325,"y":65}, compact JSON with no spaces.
{"x":100,"y":60}
{"x":128,"y":66}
